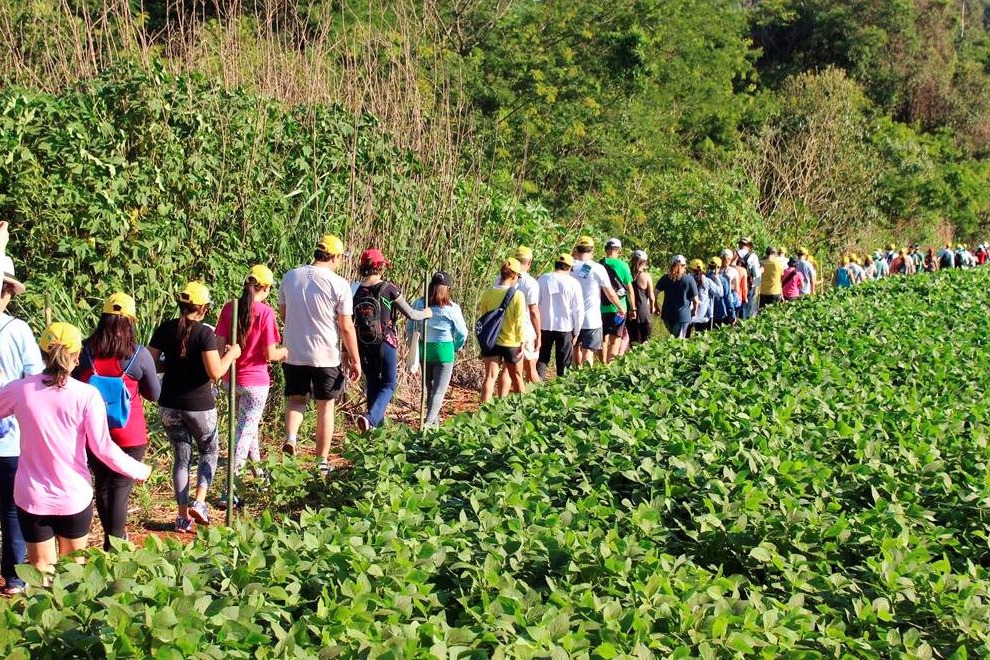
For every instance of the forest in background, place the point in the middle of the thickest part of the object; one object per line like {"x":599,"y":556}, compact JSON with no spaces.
{"x":139,"y":139}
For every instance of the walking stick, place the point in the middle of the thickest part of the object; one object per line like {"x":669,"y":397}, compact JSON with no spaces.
{"x":422,"y":356}
{"x":231,"y":419}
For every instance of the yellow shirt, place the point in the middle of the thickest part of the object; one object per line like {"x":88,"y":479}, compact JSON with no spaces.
{"x":773,"y":271}
{"x":511,"y":334}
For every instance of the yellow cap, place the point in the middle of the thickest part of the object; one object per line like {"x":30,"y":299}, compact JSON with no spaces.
{"x":585,"y":241}
{"x":524,"y":253}
{"x":262,"y":275}
{"x":195,"y":293}
{"x":513,"y":265}
{"x":697,"y":263}
{"x":567,"y":259}
{"x":802,"y":251}
{"x":891,"y":247}
{"x":715,"y":261}
{"x":120,"y":304}
{"x":331,"y":245}
{"x":61,"y":334}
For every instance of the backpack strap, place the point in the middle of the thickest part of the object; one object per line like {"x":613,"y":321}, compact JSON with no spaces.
{"x":92,"y":360}
{"x":509,"y":295}
{"x":130,"y":364}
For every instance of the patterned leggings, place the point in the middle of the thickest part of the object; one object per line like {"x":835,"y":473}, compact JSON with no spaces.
{"x":251,"y":401}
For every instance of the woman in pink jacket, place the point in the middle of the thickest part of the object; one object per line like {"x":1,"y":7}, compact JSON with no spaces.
{"x":59,"y":419}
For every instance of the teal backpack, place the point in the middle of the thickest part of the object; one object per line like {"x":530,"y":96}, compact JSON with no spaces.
{"x":114,"y":392}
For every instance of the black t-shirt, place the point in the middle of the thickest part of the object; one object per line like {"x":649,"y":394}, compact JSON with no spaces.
{"x":186,"y":385}
{"x":677,"y":297}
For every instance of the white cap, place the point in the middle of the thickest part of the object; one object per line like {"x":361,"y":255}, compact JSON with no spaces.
{"x":640,"y":254}
{"x":7,"y":264}
{"x":613,"y":243}
{"x":678,"y":259}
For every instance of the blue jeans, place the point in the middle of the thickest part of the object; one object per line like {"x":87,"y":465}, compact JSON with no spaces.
{"x":381,"y":373}
{"x":677,"y":329}
{"x":14,"y":548}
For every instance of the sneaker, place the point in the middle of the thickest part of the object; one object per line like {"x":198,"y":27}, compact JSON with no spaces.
{"x":222,"y":504}
{"x":183,"y":525}
{"x":198,"y":513}
{"x":323,"y":468}
{"x":364,"y":424}
{"x":289,"y":447}
{"x":13,"y":587}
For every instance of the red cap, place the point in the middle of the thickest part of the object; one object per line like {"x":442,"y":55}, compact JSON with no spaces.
{"x":373,"y":258}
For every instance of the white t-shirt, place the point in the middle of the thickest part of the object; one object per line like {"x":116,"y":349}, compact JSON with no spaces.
{"x":531,"y":294}
{"x":561,"y":303}
{"x":592,"y":277}
{"x":313,"y":297}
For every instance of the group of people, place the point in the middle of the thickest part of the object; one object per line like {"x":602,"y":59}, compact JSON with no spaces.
{"x":854,"y":269}
{"x":71,"y":406}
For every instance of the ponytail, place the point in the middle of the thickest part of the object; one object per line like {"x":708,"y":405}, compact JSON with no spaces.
{"x":245,"y":309}
{"x":186,"y":325}
{"x":59,"y":363}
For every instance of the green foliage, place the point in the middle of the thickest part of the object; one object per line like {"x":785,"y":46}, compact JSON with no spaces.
{"x":139,"y":181}
{"x":813,"y":485}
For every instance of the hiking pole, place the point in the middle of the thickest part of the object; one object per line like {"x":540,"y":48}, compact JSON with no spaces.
{"x":231,"y":418}
{"x":422,"y":356}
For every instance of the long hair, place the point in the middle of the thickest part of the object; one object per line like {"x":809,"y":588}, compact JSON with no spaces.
{"x":635,"y":263}
{"x":439,"y":295}
{"x":245,"y":310}
{"x":186,"y":324}
{"x":113,"y":338}
{"x":506,"y":273}
{"x":59,"y":363}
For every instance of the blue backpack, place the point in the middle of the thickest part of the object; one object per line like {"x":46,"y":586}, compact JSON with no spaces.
{"x":114,"y":392}
{"x":490,"y":324}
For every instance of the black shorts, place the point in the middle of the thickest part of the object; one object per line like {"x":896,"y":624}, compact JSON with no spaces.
{"x":506,"y":354}
{"x":324,"y":383}
{"x":38,"y":529}
{"x":610,"y":327}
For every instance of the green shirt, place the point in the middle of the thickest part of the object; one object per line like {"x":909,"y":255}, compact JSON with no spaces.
{"x":621,"y":269}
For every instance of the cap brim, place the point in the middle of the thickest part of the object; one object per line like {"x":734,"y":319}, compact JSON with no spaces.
{"x":19,"y":287}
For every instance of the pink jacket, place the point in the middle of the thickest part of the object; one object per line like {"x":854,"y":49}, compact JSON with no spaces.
{"x":57,"y":425}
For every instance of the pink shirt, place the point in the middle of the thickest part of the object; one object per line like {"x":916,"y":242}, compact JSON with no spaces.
{"x":252,"y":366}
{"x":792,"y":284}
{"x":57,"y":425}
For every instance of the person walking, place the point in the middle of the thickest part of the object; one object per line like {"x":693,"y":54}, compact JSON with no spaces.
{"x":507,"y":351}
{"x":754,"y":271}
{"x":185,"y":349}
{"x":640,"y":328}
{"x":615,"y":317}
{"x":724,"y":310}
{"x":561,"y":315}
{"x":791,"y":281}
{"x":259,"y":339}
{"x":595,"y":283}
{"x":377,"y":302}
{"x":809,"y":275}
{"x":771,"y":283}
{"x":316,"y":305}
{"x":532,"y":337}
{"x":64,"y":418}
{"x":843,"y":278}
{"x":680,"y":298}
{"x":931,"y":261}
{"x":112,"y":351}
{"x":446,"y":333}
{"x":19,"y":357}
{"x":709,"y":290}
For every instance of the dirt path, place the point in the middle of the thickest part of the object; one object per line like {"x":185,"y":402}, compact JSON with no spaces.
{"x":157,"y":513}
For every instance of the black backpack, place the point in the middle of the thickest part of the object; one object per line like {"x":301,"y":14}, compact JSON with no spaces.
{"x":368,"y":315}
{"x":613,"y":278}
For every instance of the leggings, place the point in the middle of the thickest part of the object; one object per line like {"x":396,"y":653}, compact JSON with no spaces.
{"x":184,"y":429}
{"x":437,"y":381}
{"x":251,"y":401}
{"x":112,"y":490}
